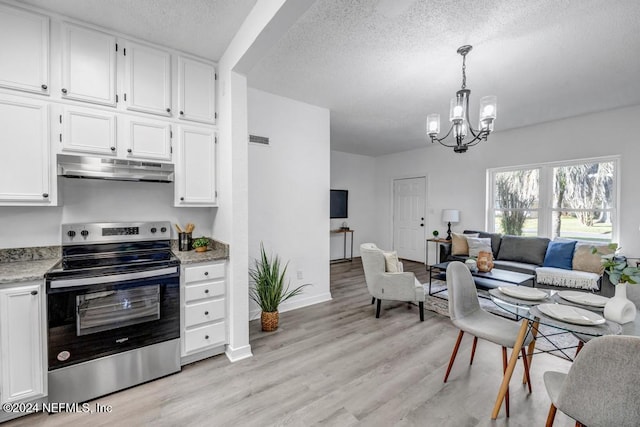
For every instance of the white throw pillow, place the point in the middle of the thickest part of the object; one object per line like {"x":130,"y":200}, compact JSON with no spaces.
{"x":476,"y":245}
{"x":391,"y":262}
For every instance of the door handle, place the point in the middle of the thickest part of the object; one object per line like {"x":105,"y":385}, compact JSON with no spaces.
{"x":421,"y":225}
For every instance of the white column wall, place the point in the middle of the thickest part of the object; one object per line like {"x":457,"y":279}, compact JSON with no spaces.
{"x":289,"y":192}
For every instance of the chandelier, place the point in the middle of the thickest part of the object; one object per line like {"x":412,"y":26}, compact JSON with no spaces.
{"x":459,"y":116}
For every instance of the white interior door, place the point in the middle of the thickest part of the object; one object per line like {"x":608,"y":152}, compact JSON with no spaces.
{"x":409,"y":202}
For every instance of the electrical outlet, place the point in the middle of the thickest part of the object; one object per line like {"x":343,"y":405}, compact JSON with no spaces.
{"x":300,"y":277}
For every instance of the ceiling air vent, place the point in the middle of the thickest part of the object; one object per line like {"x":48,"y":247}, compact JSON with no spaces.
{"x":259,"y":139}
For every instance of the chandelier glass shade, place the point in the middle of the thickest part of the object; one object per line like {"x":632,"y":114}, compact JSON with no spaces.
{"x":461,"y":127}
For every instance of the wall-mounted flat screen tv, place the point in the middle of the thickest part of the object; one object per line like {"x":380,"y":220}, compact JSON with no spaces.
{"x":339,"y":204}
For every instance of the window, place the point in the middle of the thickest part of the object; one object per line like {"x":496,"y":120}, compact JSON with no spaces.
{"x":576,"y":200}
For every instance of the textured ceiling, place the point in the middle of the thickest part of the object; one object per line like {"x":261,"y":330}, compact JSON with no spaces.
{"x":200,"y":27}
{"x":381,"y":66}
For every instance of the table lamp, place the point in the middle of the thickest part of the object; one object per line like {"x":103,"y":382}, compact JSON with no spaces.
{"x":449,"y":216}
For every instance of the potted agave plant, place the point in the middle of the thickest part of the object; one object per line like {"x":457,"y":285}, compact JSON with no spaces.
{"x":268,"y":275}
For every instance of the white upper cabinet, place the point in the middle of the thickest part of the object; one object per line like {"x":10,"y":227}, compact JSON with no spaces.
{"x":195,"y":183}
{"x":147,"y":79}
{"x":24,"y":50}
{"x":147,"y":139}
{"x":25,"y":162}
{"x":88,"y":65}
{"x":196,"y":90}
{"x":88,"y":131}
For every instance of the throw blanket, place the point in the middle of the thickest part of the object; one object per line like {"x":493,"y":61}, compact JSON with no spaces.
{"x":567,"y":278}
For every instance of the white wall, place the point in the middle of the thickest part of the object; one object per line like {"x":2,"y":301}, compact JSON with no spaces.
{"x":355,"y":173}
{"x":459,"y":180}
{"x":88,"y":200}
{"x":289,"y":191}
{"x":263,"y":27}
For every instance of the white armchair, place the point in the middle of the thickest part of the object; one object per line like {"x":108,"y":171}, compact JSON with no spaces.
{"x":397,"y":286}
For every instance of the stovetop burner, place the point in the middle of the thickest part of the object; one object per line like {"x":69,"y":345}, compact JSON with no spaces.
{"x":113,"y":248}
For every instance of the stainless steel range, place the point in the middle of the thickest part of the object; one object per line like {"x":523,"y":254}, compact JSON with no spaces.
{"x":113,"y":309}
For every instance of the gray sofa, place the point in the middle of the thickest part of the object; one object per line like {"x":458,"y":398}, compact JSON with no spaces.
{"x":519,"y":254}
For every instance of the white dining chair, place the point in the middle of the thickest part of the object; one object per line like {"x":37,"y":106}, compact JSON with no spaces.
{"x":602,"y":387}
{"x":467,"y":315}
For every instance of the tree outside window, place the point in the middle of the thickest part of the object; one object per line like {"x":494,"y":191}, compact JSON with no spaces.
{"x":516,"y":196}
{"x":581,"y":200}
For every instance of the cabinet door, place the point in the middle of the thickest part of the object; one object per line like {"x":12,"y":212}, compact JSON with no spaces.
{"x":196,"y":172}
{"x":196,"y":87}
{"x":147,"y":79}
{"x":88,"y":131}
{"x":25,"y":162}
{"x":21,"y":343}
{"x":88,"y":65}
{"x":147,"y":139}
{"x":24,"y":50}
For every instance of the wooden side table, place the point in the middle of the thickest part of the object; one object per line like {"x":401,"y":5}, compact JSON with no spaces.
{"x":344,"y":232}
{"x":436,"y":255}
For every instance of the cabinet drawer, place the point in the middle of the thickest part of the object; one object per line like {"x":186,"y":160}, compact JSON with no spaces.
{"x":202,"y":312}
{"x":204,"y":272}
{"x":204,"y":336}
{"x":203,"y":290}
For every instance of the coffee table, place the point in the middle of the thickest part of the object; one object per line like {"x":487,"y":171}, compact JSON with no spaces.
{"x":486,"y":281}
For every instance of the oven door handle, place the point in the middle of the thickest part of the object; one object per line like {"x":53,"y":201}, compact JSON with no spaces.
{"x":67,"y":283}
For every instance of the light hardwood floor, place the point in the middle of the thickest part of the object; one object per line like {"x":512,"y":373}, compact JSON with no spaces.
{"x":335,"y":364}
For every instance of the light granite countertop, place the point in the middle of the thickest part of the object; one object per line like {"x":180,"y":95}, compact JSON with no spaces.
{"x":25,"y":271}
{"x":29,"y":264}
{"x":216,"y":251}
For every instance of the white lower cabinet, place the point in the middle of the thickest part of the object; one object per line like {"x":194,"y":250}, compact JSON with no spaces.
{"x":201,"y":337}
{"x":22,"y":345}
{"x":204,"y":310}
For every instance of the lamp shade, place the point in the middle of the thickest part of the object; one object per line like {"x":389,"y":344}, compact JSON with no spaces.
{"x":450,"y":215}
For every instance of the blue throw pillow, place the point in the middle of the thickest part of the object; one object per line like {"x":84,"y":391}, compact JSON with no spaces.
{"x":560,"y":254}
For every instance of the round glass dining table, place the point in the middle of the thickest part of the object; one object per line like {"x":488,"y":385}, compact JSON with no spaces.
{"x":531,"y":317}
{"x":527,"y":309}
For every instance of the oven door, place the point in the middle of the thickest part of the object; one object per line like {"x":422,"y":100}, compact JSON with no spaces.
{"x":92,"y":317}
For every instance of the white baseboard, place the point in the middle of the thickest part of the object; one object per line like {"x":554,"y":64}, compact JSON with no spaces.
{"x":236,"y":354}
{"x":295,"y":304}
{"x":185,"y":360}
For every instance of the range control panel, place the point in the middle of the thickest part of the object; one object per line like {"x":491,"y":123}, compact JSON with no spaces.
{"x":105,"y":232}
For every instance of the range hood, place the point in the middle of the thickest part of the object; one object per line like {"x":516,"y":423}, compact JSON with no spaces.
{"x":113,"y":169}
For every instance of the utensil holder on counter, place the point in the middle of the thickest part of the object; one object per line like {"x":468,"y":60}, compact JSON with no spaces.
{"x":184,"y":241}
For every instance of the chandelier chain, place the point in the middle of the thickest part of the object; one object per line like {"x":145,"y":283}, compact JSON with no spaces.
{"x":464,"y":72}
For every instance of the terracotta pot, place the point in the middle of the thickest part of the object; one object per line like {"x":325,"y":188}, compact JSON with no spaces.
{"x":269,"y":321}
{"x":485,"y":261}
{"x":201,"y":249}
